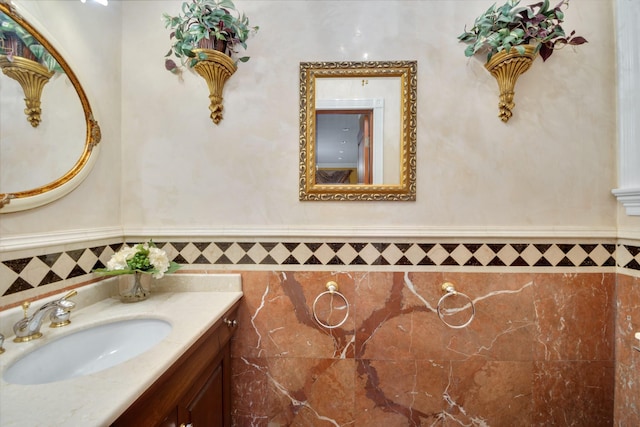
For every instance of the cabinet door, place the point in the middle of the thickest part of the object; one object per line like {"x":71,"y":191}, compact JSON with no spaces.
{"x":171,"y":420}
{"x":208,"y":402}
{"x":206,"y":409}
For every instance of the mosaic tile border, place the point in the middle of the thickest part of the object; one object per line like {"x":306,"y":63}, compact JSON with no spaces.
{"x":30,"y":272}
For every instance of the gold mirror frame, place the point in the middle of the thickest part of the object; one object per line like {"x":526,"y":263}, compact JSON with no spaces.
{"x":28,"y":199}
{"x":406,"y":189}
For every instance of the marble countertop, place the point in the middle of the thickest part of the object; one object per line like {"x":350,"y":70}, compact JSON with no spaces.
{"x":191,"y":303}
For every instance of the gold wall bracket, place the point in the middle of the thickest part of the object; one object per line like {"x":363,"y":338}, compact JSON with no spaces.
{"x":506,"y":68}
{"x":32,"y":77}
{"x":216,"y":70}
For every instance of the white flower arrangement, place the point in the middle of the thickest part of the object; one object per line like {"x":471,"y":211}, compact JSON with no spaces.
{"x":142,"y":258}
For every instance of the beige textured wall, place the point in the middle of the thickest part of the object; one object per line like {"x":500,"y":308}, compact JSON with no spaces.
{"x":551,"y":167}
{"x":628,"y":226}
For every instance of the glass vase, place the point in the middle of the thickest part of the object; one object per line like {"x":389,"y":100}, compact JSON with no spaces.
{"x":135,"y":290}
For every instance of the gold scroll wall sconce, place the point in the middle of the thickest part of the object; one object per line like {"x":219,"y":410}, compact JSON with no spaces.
{"x":506,"y":68}
{"x":32,"y":77}
{"x":216,"y":70}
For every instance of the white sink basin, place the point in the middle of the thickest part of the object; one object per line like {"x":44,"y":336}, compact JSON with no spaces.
{"x":88,"y":351}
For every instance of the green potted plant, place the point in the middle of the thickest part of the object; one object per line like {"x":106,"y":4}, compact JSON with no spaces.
{"x":16,"y":41}
{"x":205,"y":37}
{"x":142,"y":259}
{"x":511,"y":25}
{"x":206,"y":24}
{"x":512,"y":36}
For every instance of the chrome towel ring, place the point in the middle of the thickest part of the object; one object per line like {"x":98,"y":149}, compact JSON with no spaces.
{"x":450,"y":290}
{"x":332,"y":290}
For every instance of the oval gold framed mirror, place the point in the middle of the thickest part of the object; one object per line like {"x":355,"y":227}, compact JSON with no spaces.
{"x":358,"y":130}
{"x":47,"y":153}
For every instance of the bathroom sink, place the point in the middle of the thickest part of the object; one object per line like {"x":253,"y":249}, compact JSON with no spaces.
{"x":88,"y":351}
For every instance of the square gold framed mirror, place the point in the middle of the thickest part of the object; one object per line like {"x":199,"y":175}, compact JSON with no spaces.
{"x":358,"y":130}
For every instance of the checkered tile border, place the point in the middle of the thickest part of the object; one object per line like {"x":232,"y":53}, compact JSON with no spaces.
{"x":25,"y":273}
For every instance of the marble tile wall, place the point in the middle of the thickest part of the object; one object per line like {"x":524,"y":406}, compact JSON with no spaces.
{"x":627,"y":402}
{"x":539,"y":352}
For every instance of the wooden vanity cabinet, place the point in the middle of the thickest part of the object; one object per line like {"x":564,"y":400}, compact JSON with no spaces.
{"x":196,"y":390}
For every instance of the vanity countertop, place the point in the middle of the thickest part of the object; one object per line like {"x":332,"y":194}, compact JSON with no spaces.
{"x":191,"y":303}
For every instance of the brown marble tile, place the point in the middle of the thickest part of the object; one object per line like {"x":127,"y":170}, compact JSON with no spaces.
{"x":505,"y":322}
{"x":539,"y":351}
{"x":575,"y":314}
{"x":311,"y":392}
{"x":627,"y":385}
{"x":576,"y":393}
{"x":250,"y":398}
{"x":249,"y":339}
{"x":399,"y":393}
{"x":291,"y":330}
{"x":396,"y":317}
{"x":489,"y":393}
{"x":250,"y":421}
{"x":626,"y":411}
{"x":627,"y":316}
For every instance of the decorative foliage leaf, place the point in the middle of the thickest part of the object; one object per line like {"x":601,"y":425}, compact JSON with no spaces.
{"x":578,"y":40}
{"x":545,"y":51}
{"x":170,"y":65}
{"x":511,"y":25}
{"x":207,"y":19}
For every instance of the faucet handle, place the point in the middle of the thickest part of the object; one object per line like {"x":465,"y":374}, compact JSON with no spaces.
{"x":61,"y":316}
{"x":65,"y":303}
{"x":25,"y":307}
{"x":69,"y":294}
{"x":1,"y":342}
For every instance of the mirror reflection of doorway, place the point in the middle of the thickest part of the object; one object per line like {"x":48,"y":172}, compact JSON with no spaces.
{"x":344,"y":146}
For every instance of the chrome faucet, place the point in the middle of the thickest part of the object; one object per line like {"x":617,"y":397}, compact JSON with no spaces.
{"x":1,"y":342}
{"x":28,"y":328}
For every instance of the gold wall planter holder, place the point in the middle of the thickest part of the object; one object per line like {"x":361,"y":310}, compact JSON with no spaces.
{"x":506,"y":68}
{"x":32,"y":77}
{"x":216,"y":69}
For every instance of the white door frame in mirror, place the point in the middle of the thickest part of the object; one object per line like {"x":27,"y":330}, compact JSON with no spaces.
{"x":377,"y":106}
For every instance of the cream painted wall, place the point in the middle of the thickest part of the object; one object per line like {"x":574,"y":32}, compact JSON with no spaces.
{"x":628,"y":226}
{"x":552,"y":166}
{"x":88,"y":36}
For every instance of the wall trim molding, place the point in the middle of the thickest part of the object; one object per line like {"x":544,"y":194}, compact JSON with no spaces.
{"x":382,"y":232}
{"x":630,"y":199}
{"x":67,"y":237}
{"x":64,"y":237}
{"x":30,"y":241}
